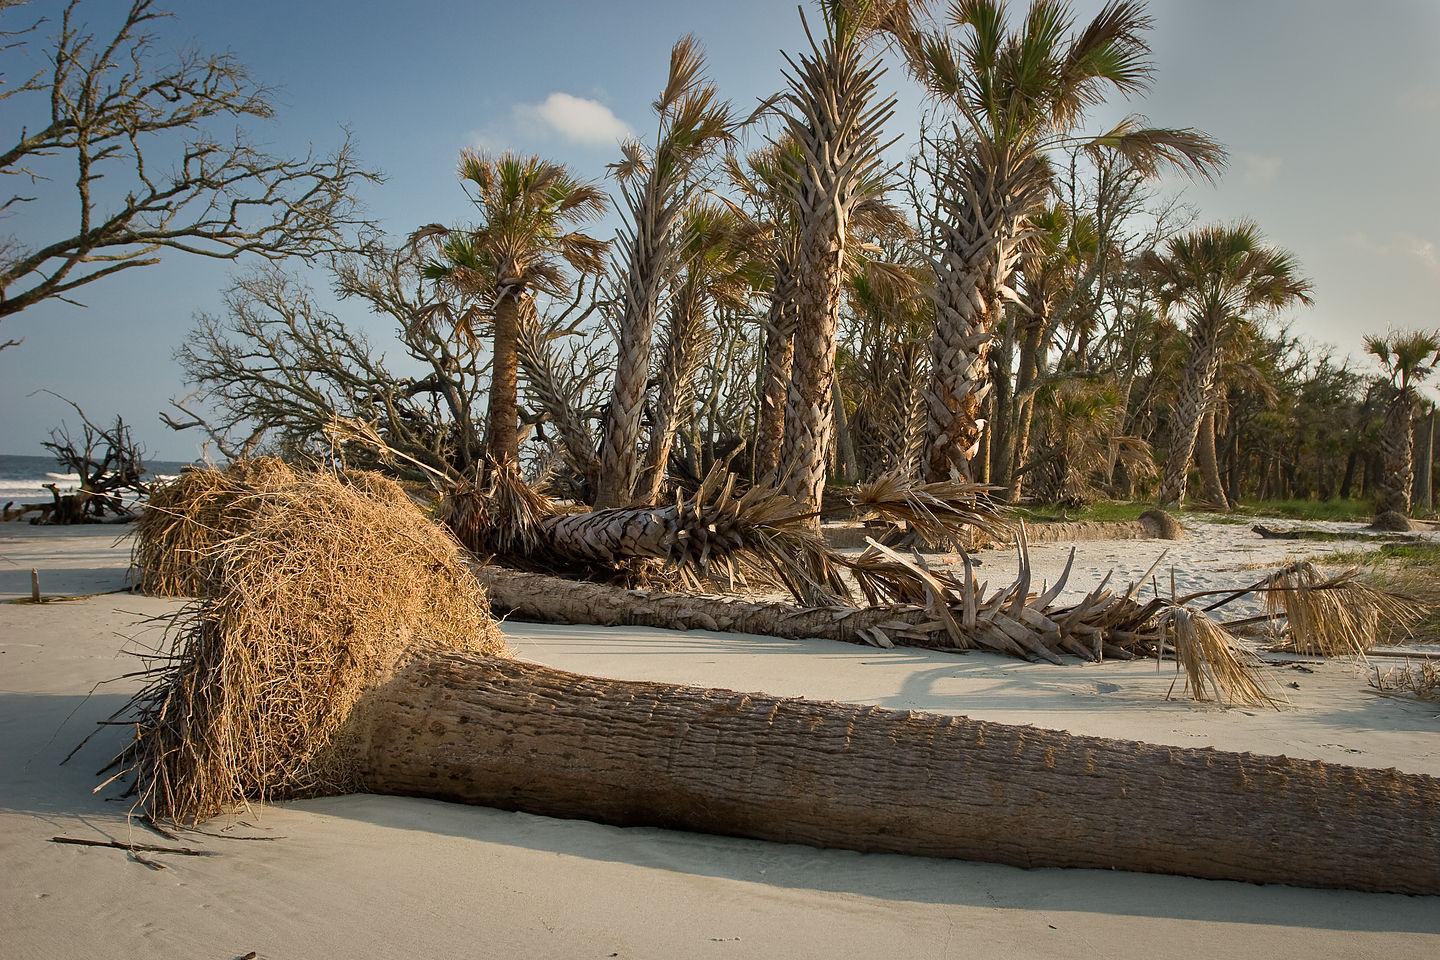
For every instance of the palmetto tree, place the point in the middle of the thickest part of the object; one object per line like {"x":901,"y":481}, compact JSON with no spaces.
{"x":715,"y":246}
{"x":657,"y":186}
{"x":520,"y":247}
{"x":1408,"y":358}
{"x":1017,"y":95}
{"x":1218,"y":277}
{"x":833,"y":113}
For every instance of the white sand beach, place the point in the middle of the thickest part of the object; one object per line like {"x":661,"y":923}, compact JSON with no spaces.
{"x":361,"y":876}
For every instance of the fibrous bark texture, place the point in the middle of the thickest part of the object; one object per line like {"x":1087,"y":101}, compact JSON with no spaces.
{"x":984,"y":201}
{"x":525,"y":737}
{"x":834,"y":117}
{"x":779,"y":357}
{"x":1397,"y":462}
{"x":1196,"y":383}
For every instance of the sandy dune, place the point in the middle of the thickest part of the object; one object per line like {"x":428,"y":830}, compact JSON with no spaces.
{"x":372,"y":876}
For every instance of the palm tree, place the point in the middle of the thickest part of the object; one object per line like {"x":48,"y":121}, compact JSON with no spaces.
{"x":525,"y":204}
{"x":1219,"y":276}
{"x":1018,"y":95}
{"x":1408,"y":358}
{"x":657,"y":187}
{"x":1060,"y":250}
{"x":714,"y":248}
{"x":768,"y":201}
{"x":832,"y":114}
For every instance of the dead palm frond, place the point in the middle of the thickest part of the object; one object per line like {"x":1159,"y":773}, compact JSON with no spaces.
{"x":1216,"y":666}
{"x":1333,"y":615}
{"x":943,"y":511}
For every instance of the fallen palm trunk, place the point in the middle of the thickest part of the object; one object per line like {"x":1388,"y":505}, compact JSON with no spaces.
{"x":1103,"y":624}
{"x":519,"y":736}
{"x":344,"y":646}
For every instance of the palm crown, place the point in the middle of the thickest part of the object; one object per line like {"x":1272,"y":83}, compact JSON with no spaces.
{"x":525,"y":203}
{"x":1026,"y":90}
{"x":1408,"y":357}
{"x":1222,"y":273}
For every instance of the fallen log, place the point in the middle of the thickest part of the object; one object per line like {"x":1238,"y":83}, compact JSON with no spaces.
{"x":486,"y":730}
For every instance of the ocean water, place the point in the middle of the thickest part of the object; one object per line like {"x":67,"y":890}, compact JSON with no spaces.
{"x":21,"y":477}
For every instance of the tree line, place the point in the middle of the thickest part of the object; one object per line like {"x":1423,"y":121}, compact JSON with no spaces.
{"x":1015,"y":302}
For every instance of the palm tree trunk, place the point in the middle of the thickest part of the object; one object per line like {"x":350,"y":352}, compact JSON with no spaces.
{"x":1397,"y":463}
{"x":684,"y":342}
{"x":650,"y":255}
{"x":1030,"y":356}
{"x":809,"y":409}
{"x":1196,"y":383}
{"x":1421,"y":496}
{"x":775,"y":377}
{"x":845,"y":462}
{"x":1208,"y":464}
{"x":520,"y":736}
{"x":502,"y":425}
{"x":959,"y":370}
{"x":985,"y":201}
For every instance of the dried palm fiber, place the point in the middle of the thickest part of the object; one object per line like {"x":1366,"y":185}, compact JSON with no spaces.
{"x":377,"y":485}
{"x":1419,"y":680}
{"x":1333,"y":615}
{"x":184,"y":520}
{"x":1211,"y":657}
{"x":323,"y":597}
{"x":499,"y":514}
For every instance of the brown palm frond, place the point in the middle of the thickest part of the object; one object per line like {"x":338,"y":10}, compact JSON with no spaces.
{"x":1216,"y":666}
{"x":1332,"y":615}
{"x":501,"y":515}
{"x":941,"y":511}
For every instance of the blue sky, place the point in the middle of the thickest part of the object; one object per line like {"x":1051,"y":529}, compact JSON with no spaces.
{"x":1330,"y":108}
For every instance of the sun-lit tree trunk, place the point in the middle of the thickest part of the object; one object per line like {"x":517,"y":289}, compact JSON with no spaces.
{"x":693,"y":121}
{"x":984,"y":200}
{"x":502,"y":421}
{"x":835,"y":116}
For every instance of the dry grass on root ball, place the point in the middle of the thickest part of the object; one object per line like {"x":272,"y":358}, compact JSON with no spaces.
{"x":186,"y":519}
{"x":320,"y":600}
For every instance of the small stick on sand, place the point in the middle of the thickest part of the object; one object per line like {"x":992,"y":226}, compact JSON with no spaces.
{"x":132,"y":847}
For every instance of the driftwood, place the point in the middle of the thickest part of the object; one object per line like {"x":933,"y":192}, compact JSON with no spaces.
{"x":517,"y":736}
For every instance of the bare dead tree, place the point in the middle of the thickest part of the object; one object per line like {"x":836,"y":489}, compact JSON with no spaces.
{"x":278,"y":363}
{"x":150,"y":175}
{"x":109,"y":463}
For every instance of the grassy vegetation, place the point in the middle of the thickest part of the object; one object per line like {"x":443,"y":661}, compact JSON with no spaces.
{"x":1107,"y":510}
{"x":1352,"y":510}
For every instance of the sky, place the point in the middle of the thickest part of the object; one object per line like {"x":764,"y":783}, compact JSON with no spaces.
{"x":1330,"y":110}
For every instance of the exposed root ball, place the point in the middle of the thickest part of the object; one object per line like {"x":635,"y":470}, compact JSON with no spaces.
{"x":1392,"y":521}
{"x":184,"y":520}
{"x":1162,"y":525}
{"x":321,"y":599}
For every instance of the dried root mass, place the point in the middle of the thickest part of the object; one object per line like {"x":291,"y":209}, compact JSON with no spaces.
{"x":325,"y":593}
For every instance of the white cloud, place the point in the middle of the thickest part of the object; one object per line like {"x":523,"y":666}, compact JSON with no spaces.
{"x":575,"y":118}
{"x":1260,"y":170}
{"x":1402,"y":245}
